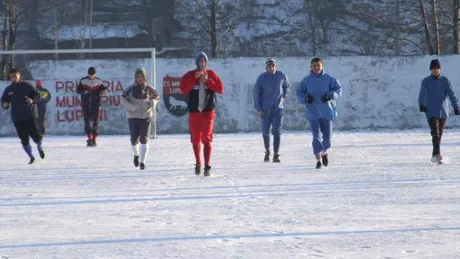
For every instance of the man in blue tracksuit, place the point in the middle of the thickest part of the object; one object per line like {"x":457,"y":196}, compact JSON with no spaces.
{"x":432,"y":101}
{"x":269,"y":93}
{"x":319,"y":92}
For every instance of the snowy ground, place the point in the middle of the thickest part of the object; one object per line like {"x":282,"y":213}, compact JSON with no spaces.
{"x":381,"y":197}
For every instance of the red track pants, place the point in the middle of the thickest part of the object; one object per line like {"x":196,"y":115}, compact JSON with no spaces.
{"x":201,"y":126}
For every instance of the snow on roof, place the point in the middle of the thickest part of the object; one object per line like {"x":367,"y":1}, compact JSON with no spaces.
{"x":100,"y":31}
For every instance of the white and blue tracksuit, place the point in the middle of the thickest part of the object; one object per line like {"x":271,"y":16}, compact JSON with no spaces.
{"x":269,"y":93}
{"x":321,"y":111}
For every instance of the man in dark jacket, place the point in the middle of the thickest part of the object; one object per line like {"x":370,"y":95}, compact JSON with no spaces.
{"x":434,"y":91}
{"x":21,"y":96}
{"x":43,"y":97}
{"x":91,"y":88}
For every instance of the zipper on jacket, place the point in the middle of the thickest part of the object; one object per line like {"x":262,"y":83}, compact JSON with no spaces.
{"x":274,"y":90}
{"x":90,"y":94}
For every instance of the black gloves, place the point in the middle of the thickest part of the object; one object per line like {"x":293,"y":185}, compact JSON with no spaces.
{"x":457,"y":111}
{"x":309,"y":98}
{"x":422,"y":108}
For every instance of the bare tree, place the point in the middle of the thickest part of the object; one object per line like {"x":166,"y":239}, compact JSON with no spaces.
{"x":456,"y":26}
{"x":56,"y":29}
{"x":32,"y":19}
{"x":433,"y":47}
{"x":397,"y":29}
{"x":365,"y":39}
{"x":240,"y":27}
{"x":209,"y":21}
{"x":448,"y":16}
{"x":311,"y":9}
{"x":213,"y":26}
{"x":91,"y":5}
{"x":52,"y":17}
{"x":84,"y":22}
{"x":13,"y":17}
{"x":153,"y":17}
{"x":435,"y":15}
{"x":426,"y":27}
{"x":321,"y":16}
{"x":266,"y":24}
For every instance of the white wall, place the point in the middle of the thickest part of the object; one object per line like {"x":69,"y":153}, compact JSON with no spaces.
{"x":378,"y":92}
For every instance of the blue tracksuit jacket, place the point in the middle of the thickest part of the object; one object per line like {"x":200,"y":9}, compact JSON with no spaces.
{"x":269,"y":89}
{"x":433,"y":95}
{"x":317,"y":86}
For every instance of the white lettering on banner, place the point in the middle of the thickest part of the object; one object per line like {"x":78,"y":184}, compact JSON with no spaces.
{"x":174,"y":90}
{"x":68,"y":102}
{"x":71,"y":86}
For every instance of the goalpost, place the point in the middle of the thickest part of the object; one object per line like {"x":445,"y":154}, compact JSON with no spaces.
{"x":152,"y":51}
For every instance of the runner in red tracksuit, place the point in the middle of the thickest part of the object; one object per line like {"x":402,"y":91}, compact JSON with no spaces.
{"x":201,"y":86}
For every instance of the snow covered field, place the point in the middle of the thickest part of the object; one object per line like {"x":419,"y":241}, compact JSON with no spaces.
{"x":381,"y":197}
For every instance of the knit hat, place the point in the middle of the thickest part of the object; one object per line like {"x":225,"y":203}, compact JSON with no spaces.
{"x":435,"y":64}
{"x":91,"y":71}
{"x":141,"y":71}
{"x":38,"y":83}
{"x":198,"y":57}
{"x":270,"y":61}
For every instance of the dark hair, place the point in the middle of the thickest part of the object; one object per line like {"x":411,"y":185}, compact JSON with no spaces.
{"x":14,"y":71}
{"x":91,"y":71}
{"x":435,"y":64}
{"x":316,"y":59}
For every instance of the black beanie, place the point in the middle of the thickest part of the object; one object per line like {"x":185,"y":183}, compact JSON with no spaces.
{"x":91,"y":71}
{"x":435,"y":64}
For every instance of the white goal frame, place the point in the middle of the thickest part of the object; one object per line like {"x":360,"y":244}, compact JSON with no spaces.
{"x":152,"y":51}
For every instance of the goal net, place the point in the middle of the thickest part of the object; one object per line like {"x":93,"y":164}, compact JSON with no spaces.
{"x":64,"y":115}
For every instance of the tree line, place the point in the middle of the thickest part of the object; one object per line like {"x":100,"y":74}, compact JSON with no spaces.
{"x":232,"y":28}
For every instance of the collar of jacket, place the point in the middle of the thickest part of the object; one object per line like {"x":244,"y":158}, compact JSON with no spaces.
{"x":436,"y":77}
{"x":141,"y":86}
{"x":318,"y":75}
